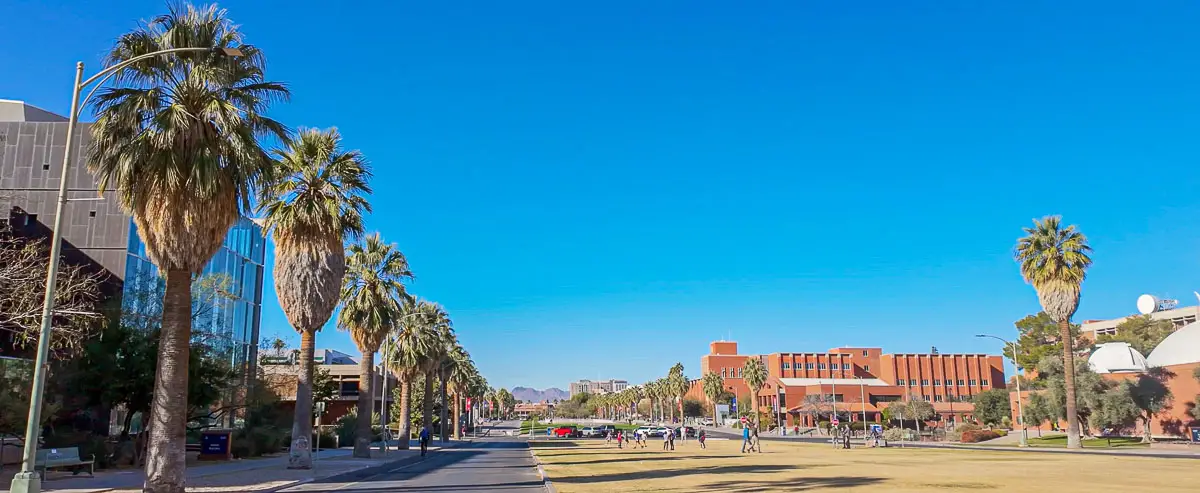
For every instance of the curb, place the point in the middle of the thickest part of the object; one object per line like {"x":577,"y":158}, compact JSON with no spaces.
{"x":542,"y":472}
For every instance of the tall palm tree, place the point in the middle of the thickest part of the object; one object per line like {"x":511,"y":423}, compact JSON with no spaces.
{"x":462,"y":382}
{"x":713,"y":385}
{"x":371,"y":296}
{"x":755,"y":375}
{"x":679,"y":386}
{"x":177,"y":139}
{"x":1054,"y":259}
{"x":312,"y":210}
{"x":439,"y":332}
{"x":449,"y":365}
{"x":408,"y":358}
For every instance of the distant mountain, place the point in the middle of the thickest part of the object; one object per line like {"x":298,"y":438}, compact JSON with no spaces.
{"x":534,"y":395}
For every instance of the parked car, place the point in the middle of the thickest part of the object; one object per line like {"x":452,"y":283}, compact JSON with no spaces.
{"x":691,"y":432}
{"x":567,"y":432}
{"x":592,"y":432}
{"x":645,"y":430}
{"x":606,"y":429}
{"x":706,"y":422}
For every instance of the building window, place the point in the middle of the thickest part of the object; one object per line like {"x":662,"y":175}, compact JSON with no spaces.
{"x":864,"y":353}
{"x":925,"y":397}
{"x":971,"y":383}
{"x":820,"y":366}
{"x":924,"y":383}
{"x":961,"y":383}
{"x":937,"y":398}
{"x":724,"y":373}
{"x":350,"y":388}
{"x":787,"y":366}
{"x":949,"y":382}
{"x":912,"y":383}
{"x":739,"y":370}
{"x":983,"y":383}
{"x":866,"y":368}
{"x":845,"y":366}
{"x":937,"y":383}
{"x":808,"y":366}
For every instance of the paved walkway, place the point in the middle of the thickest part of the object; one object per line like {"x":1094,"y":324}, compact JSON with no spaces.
{"x":493,"y":465}
{"x":249,"y":475}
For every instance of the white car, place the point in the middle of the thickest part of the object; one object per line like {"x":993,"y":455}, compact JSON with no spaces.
{"x":706,"y":422}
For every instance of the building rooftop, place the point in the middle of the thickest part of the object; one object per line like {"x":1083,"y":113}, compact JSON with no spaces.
{"x":1116,"y":357}
{"x":1180,"y":348}
{"x":20,"y":111}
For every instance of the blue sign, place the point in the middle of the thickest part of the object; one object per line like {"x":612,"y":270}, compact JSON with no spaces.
{"x":733,"y":404}
{"x":1196,"y":434}
{"x":214,"y":443}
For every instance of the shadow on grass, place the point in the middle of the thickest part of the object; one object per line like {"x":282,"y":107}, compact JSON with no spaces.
{"x":675,"y":473}
{"x":637,"y":458}
{"x":550,"y":444}
{"x":791,"y":484}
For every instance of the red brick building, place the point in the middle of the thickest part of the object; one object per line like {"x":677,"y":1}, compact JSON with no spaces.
{"x":859,"y":379}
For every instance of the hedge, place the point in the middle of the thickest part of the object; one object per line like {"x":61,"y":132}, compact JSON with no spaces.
{"x":976,"y":436}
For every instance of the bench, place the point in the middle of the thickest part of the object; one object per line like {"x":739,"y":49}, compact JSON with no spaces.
{"x":63,"y":457}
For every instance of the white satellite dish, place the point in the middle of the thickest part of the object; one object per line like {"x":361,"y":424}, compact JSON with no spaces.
{"x":1148,"y":304}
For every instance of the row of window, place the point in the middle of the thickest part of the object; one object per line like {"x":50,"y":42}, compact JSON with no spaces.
{"x":731,"y":373}
{"x":787,"y":365}
{"x":949,"y":398}
{"x":938,"y":383}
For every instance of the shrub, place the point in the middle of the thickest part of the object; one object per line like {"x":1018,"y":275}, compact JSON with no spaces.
{"x":893,"y":434}
{"x":1002,"y":433}
{"x":823,"y":425}
{"x":976,"y":436}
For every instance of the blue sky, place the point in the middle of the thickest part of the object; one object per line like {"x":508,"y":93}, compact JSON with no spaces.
{"x":600,"y":191}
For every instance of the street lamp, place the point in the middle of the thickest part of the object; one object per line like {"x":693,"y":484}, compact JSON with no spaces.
{"x":1017,"y":367}
{"x":28,"y":480}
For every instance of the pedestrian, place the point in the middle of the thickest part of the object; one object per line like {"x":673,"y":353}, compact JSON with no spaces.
{"x":746,"y":438}
{"x":642,"y":437}
{"x":846,"y":437}
{"x":757,"y":446}
{"x":620,"y":439}
{"x":797,"y":430}
{"x":608,"y":438}
{"x":424,"y":438}
{"x":672,"y":435}
{"x":701,"y":437}
{"x":666,"y":439}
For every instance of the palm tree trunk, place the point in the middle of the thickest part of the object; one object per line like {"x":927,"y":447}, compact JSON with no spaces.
{"x":1064,"y":334}
{"x":457,"y":415}
{"x":300,"y":454}
{"x":165,"y":460}
{"x":366,"y":406}
{"x":427,"y":403}
{"x":444,"y":414}
{"x":405,"y":412}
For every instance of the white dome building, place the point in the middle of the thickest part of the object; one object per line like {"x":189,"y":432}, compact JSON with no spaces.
{"x":1117,"y":357}
{"x":1180,"y":348}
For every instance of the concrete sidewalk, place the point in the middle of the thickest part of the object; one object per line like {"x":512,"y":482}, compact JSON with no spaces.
{"x":248,"y":475}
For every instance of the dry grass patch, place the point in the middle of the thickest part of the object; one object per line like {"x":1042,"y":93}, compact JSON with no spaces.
{"x":593,"y":467}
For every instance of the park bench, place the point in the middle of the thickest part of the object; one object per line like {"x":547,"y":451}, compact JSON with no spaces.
{"x":63,"y":457}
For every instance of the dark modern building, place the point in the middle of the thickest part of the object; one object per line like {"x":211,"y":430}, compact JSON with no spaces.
{"x":99,"y":233}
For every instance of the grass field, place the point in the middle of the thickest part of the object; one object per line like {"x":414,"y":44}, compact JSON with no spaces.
{"x":1060,"y":441}
{"x":542,"y":425}
{"x":593,"y":467}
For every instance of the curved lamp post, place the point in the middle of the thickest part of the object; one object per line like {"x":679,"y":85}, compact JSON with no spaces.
{"x":1017,"y":368}
{"x":28,"y":480}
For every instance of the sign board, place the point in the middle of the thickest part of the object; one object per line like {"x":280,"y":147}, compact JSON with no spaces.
{"x":834,"y":422}
{"x":215,"y":445}
{"x":743,"y":420}
{"x":1196,"y":434}
{"x":876,"y":428}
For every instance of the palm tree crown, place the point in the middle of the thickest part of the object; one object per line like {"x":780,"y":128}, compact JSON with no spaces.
{"x":1054,"y":259}
{"x":372,"y":291}
{"x":322,"y":191}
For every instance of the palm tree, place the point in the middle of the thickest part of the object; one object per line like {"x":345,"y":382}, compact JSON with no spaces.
{"x":679,"y":387}
{"x":755,"y":375}
{"x":371,"y":297}
{"x":446,"y":369}
{"x":714,"y":386}
{"x":177,"y":139}
{"x":440,"y":334}
{"x":312,"y":210}
{"x":1054,"y":259}
{"x":407,"y":360}
{"x":462,"y":382}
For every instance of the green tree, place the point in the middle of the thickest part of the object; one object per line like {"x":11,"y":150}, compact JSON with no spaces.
{"x":407,"y":359}
{"x":714,"y":386}
{"x":1113,"y":408}
{"x":177,"y":137}
{"x":1054,"y":259}
{"x":1038,"y":411}
{"x":312,"y":209}
{"x":755,"y":375}
{"x":1150,"y":396}
{"x":992,"y":406}
{"x":1040,"y":336}
{"x":678,"y":385}
{"x":1089,"y":389}
{"x":1141,"y":332}
{"x":1195,"y":411}
{"x":371,"y":296}
{"x":918,"y":411}
{"x":692,"y":408}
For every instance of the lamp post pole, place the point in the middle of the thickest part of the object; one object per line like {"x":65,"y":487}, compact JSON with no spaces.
{"x":28,"y":480}
{"x":1017,"y":369}
{"x":862,"y":390}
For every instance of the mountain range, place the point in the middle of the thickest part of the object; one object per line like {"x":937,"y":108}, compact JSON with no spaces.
{"x":534,"y":395}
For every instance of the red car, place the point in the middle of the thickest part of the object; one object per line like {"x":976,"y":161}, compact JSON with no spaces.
{"x":567,"y":432}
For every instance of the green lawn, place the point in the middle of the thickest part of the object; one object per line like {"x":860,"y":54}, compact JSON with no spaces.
{"x":1061,"y":442}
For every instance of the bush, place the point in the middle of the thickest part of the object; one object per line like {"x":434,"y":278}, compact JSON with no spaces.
{"x":1002,"y":433}
{"x":893,"y":434}
{"x":823,"y":425}
{"x":255,"y":442}
{"x":858,"y":426}
{"x":956,"y":434}
{"x":976,"y":436}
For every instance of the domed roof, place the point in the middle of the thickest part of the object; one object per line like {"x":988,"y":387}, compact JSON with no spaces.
{"x":1179,"y":348}
{"x":1116,"y":357}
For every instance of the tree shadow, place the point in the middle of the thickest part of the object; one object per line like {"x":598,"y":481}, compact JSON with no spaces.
{"x":791,"y":484}
{"x":549,"y":444}
{"x":638,"y":458}
{"x":676,"y":473}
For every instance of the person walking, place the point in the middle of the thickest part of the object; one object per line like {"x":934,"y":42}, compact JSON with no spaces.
{"x":620,"y":438}
{"x":672,"y":434}
{"x":746,"y":438}
{"x":666,"y":439}
{"x":608,"y":436}
{"x":424,"y":438}
{"x":757,"y":445}
{"x":701,"y":438}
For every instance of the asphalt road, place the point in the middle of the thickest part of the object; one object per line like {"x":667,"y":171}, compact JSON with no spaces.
{"x":486,"y":465}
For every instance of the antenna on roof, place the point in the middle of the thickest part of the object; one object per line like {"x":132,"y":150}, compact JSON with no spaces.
{"x":1147,"y":304}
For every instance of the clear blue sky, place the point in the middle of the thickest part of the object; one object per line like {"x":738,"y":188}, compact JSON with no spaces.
{"x":599,"y":191}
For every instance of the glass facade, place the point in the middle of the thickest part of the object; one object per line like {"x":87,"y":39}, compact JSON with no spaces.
{"x":227,"y":296}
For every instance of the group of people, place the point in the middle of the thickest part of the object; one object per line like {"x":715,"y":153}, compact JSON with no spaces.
{"x":639,"y":438}
{"x":750,"y":439}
